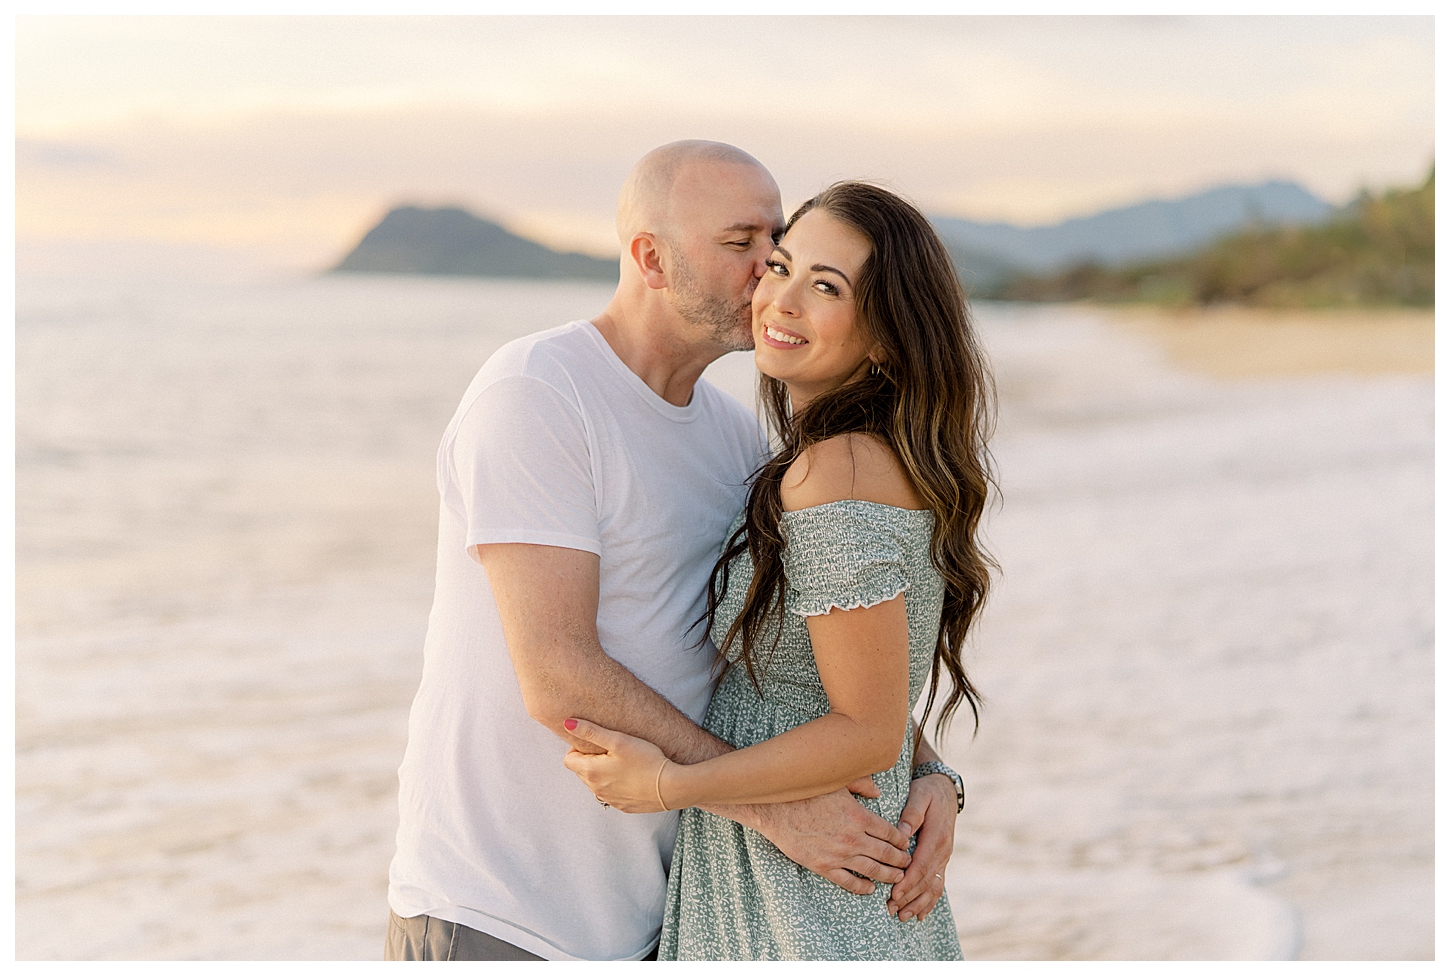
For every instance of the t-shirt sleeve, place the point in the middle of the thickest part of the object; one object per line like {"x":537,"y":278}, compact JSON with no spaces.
{"x":838,"y":558}
{"x":520,"y":463}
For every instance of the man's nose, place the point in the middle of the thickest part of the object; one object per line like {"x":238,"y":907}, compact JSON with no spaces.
{"x":762,"y":255}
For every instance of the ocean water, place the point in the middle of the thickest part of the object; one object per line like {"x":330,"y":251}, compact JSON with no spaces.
{"x":1208,"y":661}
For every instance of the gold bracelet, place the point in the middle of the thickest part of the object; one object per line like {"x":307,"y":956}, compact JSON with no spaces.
{"x":663,"y":808}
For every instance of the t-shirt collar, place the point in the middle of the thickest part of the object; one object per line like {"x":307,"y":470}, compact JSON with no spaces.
{"x":665,"y":408}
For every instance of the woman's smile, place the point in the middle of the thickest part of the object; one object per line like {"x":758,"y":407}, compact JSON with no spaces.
{"x":783,"y":338}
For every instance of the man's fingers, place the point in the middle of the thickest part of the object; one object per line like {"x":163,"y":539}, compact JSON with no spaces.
{"x":925,"y":865}
{"x":918,"y":891}
{"x":904,"y":893}
{"x":918,"y":903}
{"x":929,"y":860}
{"x":890,"y":854}
{"x":922,"y":866}
{"x":873,"y":869}
{"x":913,"y":814}
{"x":921,"y":906}
{"x":845,"y":879}
{"x":912,"y":886}
{"x":876,"y":827}
{"x":903,"y":898}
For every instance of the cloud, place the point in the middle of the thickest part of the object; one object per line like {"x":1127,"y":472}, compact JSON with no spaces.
{"x":50,"y":155}
{"x":296,"y":134}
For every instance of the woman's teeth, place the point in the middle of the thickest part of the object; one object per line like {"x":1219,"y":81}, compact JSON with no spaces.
{"x":782,"y":337}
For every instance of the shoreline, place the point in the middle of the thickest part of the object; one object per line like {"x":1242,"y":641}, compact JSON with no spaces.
{"x":1234,"y":342}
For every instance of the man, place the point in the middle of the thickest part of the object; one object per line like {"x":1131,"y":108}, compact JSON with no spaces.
{"x":587,"y":484}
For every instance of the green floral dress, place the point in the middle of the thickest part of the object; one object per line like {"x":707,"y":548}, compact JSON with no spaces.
{"x":732,"y":893}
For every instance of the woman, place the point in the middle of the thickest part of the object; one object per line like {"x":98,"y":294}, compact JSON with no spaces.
{"x":847,"y":585}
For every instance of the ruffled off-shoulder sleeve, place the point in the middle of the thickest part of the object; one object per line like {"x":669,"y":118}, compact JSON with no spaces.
{"x":843,"y":555}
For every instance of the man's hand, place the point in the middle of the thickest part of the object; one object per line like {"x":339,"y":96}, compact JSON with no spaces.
{"x":833,"y":835}
{"x":931,"y":814}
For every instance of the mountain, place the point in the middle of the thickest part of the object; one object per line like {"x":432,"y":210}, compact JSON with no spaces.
{"x":451,"y":241}
{"x":1379,"y":250}
{"x":1149,"y":230}
{"x":982,"y":274}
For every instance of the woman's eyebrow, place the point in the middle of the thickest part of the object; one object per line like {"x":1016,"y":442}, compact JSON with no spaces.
{"x":818,"y":267}
{"x":827,"y":267}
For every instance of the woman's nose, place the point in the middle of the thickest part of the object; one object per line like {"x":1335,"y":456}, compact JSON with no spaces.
{"x":785,"y":299}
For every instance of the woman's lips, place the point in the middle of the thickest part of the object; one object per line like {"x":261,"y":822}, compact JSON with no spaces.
{"x":780,"y":338}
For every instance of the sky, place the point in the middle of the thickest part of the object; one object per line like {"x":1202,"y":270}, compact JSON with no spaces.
{"x":281,"y":140}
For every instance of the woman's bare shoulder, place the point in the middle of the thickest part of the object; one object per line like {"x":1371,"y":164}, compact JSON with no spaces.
{"x":857,"y":465}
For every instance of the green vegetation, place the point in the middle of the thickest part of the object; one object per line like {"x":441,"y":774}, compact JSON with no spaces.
{"x":1379,"y":250}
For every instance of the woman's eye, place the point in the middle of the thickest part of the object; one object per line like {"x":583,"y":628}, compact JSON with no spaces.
{"x":776,"y":267}
{"x":826,"y":288}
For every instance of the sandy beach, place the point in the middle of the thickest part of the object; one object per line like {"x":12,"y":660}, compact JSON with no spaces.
{"x":1208,"y":661}
{"x":1238,"y":343}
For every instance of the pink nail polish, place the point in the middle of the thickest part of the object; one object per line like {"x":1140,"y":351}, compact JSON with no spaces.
{"x":571,"y":724}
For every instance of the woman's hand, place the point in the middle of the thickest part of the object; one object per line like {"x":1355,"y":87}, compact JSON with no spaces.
{"x":626,"y":775}
{"x":931,"y":814}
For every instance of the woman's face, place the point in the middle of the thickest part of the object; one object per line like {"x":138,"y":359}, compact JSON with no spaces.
{"x":805,"y":308}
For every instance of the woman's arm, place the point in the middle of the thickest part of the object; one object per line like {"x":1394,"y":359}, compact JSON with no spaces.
{"x":862,"y":656}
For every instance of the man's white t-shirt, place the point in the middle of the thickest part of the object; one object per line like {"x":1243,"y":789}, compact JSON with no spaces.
{"x":558,"y":443}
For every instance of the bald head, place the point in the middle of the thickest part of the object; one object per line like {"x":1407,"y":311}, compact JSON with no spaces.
{"x":646,"y":201}
{"x":697,"y":221}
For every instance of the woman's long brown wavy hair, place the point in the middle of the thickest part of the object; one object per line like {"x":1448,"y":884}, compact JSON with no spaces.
{"x":931,"y":399}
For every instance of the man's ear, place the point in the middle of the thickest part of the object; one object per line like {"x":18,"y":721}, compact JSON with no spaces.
{"x":644,"y":250}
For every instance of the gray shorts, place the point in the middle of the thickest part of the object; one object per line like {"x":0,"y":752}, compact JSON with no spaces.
{"x":423,"y":937}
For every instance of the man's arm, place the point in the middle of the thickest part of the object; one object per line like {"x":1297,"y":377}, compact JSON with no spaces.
{"x":931,"y":814}
{"x":832,"y":835}
{"x":548,"y":600}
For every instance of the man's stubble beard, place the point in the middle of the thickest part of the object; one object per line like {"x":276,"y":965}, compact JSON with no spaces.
{"x":726,"y":320}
